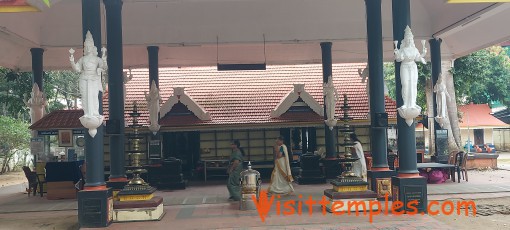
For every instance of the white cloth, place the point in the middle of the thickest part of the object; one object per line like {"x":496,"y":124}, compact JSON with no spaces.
{"x":360,"y":166}
{"x":281,"y":178}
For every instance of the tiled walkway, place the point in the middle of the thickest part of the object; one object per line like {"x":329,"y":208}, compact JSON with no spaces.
{"x":227,"y":216}
{"x":205,"y":206}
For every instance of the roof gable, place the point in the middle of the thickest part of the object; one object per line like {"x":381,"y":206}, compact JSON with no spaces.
{"x":294,"y":95}
{"x":182,"y":97}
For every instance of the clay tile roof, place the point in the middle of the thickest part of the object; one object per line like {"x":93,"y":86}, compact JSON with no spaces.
{"x":246,"y":97}
{"x":478,"y":115}
{"x":59,"y":119}
{"x":234,"y":98}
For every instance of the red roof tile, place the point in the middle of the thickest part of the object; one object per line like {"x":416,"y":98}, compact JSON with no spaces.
{"x":59,"y":119}
{"x":234,"y":97}
{"x":478,"y":115}
{"x":246,"y":97}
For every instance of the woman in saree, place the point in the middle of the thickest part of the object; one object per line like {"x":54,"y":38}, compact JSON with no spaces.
{"x":281,"y":178}
{"x":234,"y":171}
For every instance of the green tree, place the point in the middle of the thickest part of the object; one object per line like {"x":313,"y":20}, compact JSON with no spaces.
{"x":482,"y":77}
{"x":60,"y":90}
{"x":14,"y":136}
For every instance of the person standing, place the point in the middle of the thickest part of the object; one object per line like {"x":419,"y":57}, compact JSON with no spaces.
{"x":234,"y":171}
{"x":360,"y":166}
{"x":281,"y":178}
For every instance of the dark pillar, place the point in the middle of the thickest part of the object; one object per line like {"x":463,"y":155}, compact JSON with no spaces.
{"x":379,"y":175}
{"x":95,"y":200}
{"x":435,"y":60}
{"x":331,"y":166}
{"x":408,"y":184}
{"x":37,"y":67}
{"x":378,"y":123}
{"x":37,"y":78}
{"x":406,"y":134}
{"x":285,"y":133}
{"x":327,"y":70}
{"x":153,"y":65}
{"x":91,"y":21}
{"x":440,"y":134}
{"x":304,"y":141}
{"x":312,"y":139}
{"x":116,"y":91}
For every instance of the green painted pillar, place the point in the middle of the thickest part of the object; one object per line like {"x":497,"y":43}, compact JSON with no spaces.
{"x":406,"y":134}
{"x":115,"y":90}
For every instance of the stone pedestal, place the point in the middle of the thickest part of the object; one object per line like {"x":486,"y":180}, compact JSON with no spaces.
{"x":442,"y":154}
{"x":406,"y":190}
{"x":349,"y":194}
{"x":169,"y":175}
{"x":310,"y":172}
{"x":138,"y":210}
{"x":332,"y":168}
{"x":380,"y":182}
{"x":116,"y":187}
{"x":95,"y":208}
{"x":247,"y":203}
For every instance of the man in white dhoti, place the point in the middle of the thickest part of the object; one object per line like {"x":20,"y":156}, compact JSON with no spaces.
{"x":281,"y":178}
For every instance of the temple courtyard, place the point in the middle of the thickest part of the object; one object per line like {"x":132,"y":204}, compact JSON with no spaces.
{"x":205,"y":206}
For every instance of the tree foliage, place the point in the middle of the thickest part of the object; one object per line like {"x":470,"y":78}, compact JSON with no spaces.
{"x":483,"y":77}
{"x":60,"y":89}
{"x":14,"y":135}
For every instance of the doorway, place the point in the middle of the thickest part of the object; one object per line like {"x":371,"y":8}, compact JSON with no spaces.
{"x":478,"y":133}
{"x":184,"y":146}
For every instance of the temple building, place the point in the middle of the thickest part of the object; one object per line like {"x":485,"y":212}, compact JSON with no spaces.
{"x":202,"y":110}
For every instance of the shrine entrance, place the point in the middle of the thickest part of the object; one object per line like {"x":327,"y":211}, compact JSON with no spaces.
{"x":184,"y":146}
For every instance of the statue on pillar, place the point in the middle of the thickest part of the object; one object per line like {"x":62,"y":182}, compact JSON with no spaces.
{"x":441,"y":97}
{"x":90,"y":67}
{"x":153,"y":99}
{"x":408,"y":54}
{"x":37,"y":104}
{"x":127,"y":77}
{"x":330,"y":99}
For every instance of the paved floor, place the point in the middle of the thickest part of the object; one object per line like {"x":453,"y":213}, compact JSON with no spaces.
{"x":205,"y":206}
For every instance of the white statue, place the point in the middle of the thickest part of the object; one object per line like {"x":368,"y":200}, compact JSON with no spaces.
{"x":37,"y":104}
{"x":90,"y":67}
{"x":127,"y":77}
{"x":408,"y":54}
{"x":331,"y":97}
{"x":153,"y":99}
{"x":441,"y":97}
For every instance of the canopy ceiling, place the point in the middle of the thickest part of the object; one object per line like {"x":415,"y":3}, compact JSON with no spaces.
{"x":205,"y":32}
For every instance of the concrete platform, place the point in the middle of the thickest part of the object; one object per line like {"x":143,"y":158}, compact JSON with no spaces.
{"x":205,"y":206}
{"x":146,"y":210}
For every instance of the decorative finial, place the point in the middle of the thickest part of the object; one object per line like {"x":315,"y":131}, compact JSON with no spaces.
{"x":408,"y":33}
{"x":88,"y":39}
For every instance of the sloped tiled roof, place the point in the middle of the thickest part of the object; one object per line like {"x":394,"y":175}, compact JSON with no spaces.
{"x":478,"y":115}
{"x":59,"y":119}
{"x":234,"y":98}
{"x":246,"y":97}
